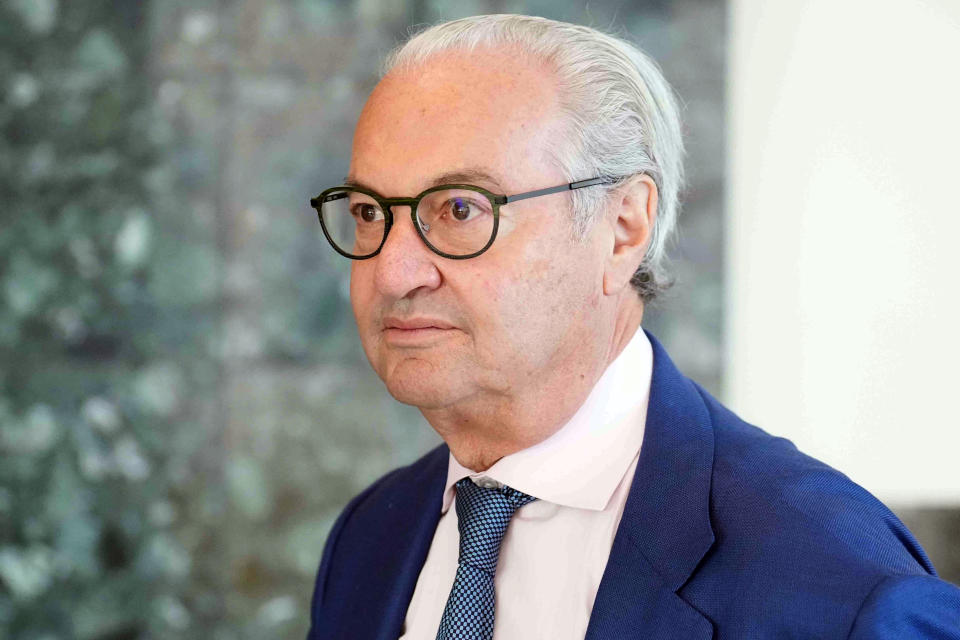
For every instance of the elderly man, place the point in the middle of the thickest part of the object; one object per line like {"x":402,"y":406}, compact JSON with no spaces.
{"x":512,"y":186}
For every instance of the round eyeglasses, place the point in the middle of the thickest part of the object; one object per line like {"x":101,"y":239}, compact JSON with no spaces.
{"x":456,"y":221}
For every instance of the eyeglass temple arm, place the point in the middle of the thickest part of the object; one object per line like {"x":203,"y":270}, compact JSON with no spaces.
{"x":564,"y":187}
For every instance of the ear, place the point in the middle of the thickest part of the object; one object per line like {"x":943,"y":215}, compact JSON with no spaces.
{"x":631,"y":214}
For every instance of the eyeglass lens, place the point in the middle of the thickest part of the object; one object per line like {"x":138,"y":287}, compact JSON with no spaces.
{"x":457,"y":222}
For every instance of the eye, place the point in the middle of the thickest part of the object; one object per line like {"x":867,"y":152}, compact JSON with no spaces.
{"x":461,"y":209}
{"x":366,"y":212}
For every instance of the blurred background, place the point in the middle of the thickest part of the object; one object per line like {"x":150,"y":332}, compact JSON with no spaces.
{"x":184,"y":403}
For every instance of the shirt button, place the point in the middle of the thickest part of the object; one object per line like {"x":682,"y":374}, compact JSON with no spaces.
{"x":487,"y":483}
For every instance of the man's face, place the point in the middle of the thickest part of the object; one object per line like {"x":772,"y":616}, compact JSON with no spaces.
{"x":521,"y":316}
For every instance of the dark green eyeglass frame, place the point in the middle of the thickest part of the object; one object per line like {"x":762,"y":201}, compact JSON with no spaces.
{"x":496,"y":200}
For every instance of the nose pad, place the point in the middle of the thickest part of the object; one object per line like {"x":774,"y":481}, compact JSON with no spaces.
{"x":424,"y":226}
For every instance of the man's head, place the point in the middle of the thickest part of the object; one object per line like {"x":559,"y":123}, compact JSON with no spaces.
{"x":619,"y":115}
{"x":523,"y":330}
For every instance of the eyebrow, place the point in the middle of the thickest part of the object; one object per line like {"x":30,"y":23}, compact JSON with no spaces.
{"x":468,"y":176}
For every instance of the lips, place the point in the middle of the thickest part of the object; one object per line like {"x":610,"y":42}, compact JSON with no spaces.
{"x":416,"y":332}
{"x":391,"y":322}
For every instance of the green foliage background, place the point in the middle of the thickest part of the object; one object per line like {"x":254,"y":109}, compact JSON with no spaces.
{"x":96,"y":437}
{"x":97,"y":346}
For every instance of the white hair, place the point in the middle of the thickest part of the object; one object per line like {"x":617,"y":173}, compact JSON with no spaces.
{"x":621,"y":117}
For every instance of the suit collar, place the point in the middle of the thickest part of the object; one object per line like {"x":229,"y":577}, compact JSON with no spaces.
{"x":665,"y":530}
{"x":668,"y":510}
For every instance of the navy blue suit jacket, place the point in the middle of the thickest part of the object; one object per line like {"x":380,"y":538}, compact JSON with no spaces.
{"x":727,"y":532}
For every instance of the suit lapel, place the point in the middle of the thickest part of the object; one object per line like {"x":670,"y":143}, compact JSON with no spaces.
{"x":665,"y":528}
{"x":391,"y":566}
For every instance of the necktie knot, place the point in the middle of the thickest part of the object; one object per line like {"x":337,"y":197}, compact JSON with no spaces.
{"x":482,"y":517}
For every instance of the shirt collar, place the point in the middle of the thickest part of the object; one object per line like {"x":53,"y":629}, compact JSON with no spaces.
{"x":582,"y":463}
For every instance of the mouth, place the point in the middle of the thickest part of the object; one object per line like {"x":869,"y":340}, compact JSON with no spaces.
{"x":411,"y":332}
{"x":419,"y":337}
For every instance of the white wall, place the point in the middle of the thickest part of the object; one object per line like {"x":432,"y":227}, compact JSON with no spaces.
{"x":843,"y":225}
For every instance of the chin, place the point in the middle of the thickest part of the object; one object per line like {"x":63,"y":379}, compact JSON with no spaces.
{"x":418,"y":395}
{"x":419,"y":383}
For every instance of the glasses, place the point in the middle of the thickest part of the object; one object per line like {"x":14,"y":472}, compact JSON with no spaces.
{"x":456,"y":221}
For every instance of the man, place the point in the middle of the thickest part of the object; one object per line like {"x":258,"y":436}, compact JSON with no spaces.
{"x":512,"y":185}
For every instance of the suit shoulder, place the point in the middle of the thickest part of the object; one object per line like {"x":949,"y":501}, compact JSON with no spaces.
{"x":392,"y":503}
{"x":919,"y":607}
{"x":765,"y":486}
{"x":798,"y":546}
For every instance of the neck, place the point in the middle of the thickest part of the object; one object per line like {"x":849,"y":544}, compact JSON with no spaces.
{"x":482,"y":431}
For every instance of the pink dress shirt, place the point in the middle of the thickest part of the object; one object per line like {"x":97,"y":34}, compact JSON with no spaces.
{"x":555,"y":550}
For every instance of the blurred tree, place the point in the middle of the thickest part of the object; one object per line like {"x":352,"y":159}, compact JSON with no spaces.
{"x":95,"y":355}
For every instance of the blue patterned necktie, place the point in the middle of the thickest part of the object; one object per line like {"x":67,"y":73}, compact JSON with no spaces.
{"x":483,"y":516}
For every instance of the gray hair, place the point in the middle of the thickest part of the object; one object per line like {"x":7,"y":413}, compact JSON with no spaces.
{"x":621,"y":116}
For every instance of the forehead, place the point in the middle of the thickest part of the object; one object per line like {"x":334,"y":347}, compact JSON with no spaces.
{"x":492,"y":111}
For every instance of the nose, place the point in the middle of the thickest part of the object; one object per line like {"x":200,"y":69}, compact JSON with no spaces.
{"x":405,"y":264}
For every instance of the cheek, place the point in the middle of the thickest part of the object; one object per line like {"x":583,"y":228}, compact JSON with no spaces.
{"x":528,"y":302}
{"x":491,"y":290}
{"x":513,"y":289}
{"x":561,"y":288}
